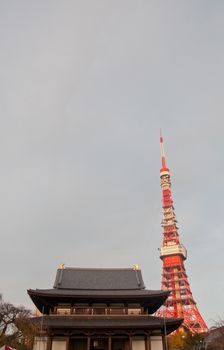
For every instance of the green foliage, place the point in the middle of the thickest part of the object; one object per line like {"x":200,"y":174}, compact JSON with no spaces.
{"x":176,"y":341}
{"x":185,"y":341}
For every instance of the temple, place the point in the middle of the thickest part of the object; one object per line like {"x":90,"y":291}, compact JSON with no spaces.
{"x":100,"y":309}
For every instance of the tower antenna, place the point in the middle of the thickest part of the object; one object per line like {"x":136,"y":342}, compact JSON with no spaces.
{"x":163,"y":158}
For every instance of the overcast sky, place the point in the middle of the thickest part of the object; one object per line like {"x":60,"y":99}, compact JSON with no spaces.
{"x":85,"y":87}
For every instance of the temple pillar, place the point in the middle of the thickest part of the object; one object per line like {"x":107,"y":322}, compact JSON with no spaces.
{"x":109,"y":342}
{"x":88,"y":343}
{"x":164,"y":340}
{"x":49,"y":342}
{"x":130,"y":342}
{"x":67,"y":343}
{"x":147,"y":342}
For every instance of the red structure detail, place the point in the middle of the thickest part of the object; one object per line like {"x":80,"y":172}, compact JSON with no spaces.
{"x":180,"y":303}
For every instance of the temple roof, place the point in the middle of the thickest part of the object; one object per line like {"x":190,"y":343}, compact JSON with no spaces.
{"x":47,"y":299}
{"x":109,"y":322}
{"x":89,"y":285}
{"x":99,"y":279}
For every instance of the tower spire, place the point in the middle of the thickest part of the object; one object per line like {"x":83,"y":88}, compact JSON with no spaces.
{"x":180,"y":303}
{"x":163,"y":158}
{"x":162,"y":151}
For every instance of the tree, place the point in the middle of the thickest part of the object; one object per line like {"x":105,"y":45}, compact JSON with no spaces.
{"x":9,"y":315}
{"x":176,"y":341}
{"x":215,"y":337}
{"x":194,"y":341}
{"x":16,"y":327}
{"x":185,"y":340}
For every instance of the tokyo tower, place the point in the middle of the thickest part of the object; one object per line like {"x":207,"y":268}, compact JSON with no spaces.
{"x":180,"y":302}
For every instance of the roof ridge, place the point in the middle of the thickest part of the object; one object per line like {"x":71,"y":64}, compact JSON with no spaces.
{"x":97,"y":268}
{"x":99,"y":278}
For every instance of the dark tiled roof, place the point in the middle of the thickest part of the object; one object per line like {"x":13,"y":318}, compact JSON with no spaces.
{"x":108,"y":322}
{"x":98,"y":279}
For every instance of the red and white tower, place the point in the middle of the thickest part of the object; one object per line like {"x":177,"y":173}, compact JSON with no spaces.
{"x":180,"y":303}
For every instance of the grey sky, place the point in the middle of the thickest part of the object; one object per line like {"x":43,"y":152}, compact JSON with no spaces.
{"x":85,"y":87}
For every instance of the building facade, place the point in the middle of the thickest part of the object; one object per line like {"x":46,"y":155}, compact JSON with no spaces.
{"x":100,"y":309}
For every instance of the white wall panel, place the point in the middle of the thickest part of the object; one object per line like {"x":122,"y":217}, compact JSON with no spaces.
{"x":156,"y":343}
{"x":58,"y":345}
{"x":138,"y":343}
{"x":40,"y":343}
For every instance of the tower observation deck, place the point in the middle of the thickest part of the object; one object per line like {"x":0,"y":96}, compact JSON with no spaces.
{"x":180,"y":302}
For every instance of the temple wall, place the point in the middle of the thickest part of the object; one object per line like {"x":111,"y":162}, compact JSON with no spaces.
{"x":58,"y":344}
{"x":156,"y":343}
{"x":40,"y":343}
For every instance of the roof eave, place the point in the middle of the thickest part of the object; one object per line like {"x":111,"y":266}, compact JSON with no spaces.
{"x":45,"y":300}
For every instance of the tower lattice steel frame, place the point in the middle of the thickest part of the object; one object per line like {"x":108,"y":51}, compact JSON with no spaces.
{"x":180,"y":303}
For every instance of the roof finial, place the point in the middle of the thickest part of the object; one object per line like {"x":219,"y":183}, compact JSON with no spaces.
{"x":136,"y":267}
{"x":61,"y":266}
